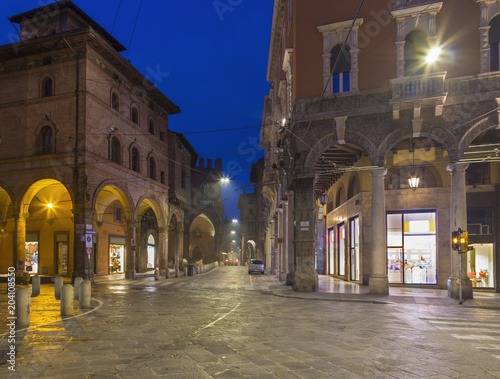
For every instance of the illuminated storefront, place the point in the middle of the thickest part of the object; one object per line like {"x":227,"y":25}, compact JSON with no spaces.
{"x":354,"y":247}
{"x":341,"y":249}
{"x":116,"y":254}
{"x":31,"y":257}
{"x":331,"y":251}
{"x":411,"y":247}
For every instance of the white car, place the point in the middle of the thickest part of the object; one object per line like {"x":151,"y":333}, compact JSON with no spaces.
{"x":256,"y":265}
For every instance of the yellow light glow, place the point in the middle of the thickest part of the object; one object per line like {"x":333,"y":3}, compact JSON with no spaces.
{"x":433,"y":55}
{"x":50,"y":205}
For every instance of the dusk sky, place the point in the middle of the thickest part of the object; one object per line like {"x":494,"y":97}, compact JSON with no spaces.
{"x":209,"y":57}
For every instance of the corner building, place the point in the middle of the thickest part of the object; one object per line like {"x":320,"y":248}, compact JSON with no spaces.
{"x":88,"y":183}
{"x":357,"y":107}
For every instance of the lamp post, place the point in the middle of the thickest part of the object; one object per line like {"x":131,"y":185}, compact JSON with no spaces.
{"x":414,"y":179}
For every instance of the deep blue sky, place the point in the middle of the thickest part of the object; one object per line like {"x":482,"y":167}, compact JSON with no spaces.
{"x":206,"y":56}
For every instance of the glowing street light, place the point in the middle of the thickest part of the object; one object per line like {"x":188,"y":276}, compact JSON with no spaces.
{"x":433,"y":55}
{"x":224,"y":180}
{"x":233,"y":232}
{"x":50,"y":205}
{"x":235,"y":221}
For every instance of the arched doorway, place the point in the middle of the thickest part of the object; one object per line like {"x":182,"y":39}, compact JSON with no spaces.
{"x":45,"y":230}
{"x":202,"y":240}
{"x":112,"y":219}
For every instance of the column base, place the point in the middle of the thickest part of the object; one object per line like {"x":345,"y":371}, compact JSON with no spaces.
{"x":289,"y":278}
{"x":378,"y":285}
{"x":130,"y":274}
{"x":306,"y":280}
{"x":454,"y":290}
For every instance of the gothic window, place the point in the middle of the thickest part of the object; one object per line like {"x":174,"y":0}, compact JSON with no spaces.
{"x":134,"y":115}
{"x":151,"y":127}
{"x":47,"y":87}
{"x":399,"y":178}
{"x":115,"y":101}
{"x":416,"y":49}
{"x":494,"y":41}
{"x":152,"y":168}
{"x":134,"y":164}
{"x":340,"y":68}
{"x":115,"y":150}
{"x":46,"y":140}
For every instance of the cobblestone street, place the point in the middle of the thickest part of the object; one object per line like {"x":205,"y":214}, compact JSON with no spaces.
{"x":227,"y":324}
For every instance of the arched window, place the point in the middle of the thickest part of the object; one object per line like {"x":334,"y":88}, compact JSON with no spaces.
{"x":152,"y":168}
{"x":47,"y":87}
{"x":115,"y":101}
{"x":340,"y":68}
{"x":416,"y":49}
{"x":135,"y":160}
{"x":353,"y":187}
{"x":134,"y":115}
{"x":115,"y":150}
{"x":494,"y":41}
{"x":46,"y":140}
{"x":340,"y":197}
{"x":151,"y":127}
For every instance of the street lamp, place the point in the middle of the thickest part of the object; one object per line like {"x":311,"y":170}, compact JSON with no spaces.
{"x":322,"y":199}
{"x":433,"y":55}
{"x":414,"y":179}
{"x":224,"y":180}
{"x":235,"y":221}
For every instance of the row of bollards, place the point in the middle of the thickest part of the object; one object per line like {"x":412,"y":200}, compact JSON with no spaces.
{"x":64,"y":292}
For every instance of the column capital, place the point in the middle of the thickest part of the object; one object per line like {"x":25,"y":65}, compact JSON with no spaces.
{"x":457,"y":167}
{"x":378,"y":172}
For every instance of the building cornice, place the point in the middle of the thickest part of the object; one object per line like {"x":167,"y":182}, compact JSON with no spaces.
{"x":276,"y":36}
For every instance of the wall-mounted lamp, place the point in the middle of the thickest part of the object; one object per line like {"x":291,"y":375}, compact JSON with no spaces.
{"x":322,"y":199}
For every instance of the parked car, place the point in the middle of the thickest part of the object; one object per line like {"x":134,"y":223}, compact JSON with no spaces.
{"x":256,"y":265}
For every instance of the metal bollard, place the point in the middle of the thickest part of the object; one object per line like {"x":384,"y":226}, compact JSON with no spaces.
{"x":22,"y":307}
{"x":167,"y":274}
{"x":197,"y":269}
{"x":67,"y":298}
{"x":78,"y":283}
{"x":58,"y":283}
{"x":35,"y":286}
{"x":185,"y":271}
{"x":157,"y":274}
{"x":177,"y":272}
{"x":84,"y":298}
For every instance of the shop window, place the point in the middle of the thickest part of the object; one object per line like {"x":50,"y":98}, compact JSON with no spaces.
{"x":115,"y":150}
{"x":134,"y":115}
{"x":134,"y":164}
{"x":31,"y":259}
{"x":480,"y":265}
{"x":340,"y":68}
{"x":152,"y":168}
{"x":116,"y":254}
{"x":415,"y":51}
{"x":62,"y":252}
{"x":341,"y":245}
{"x":47,"y":87}
{"x":478,"y":173}
{"x":115,"y":101}
{"x":411,"y":247}
{"x":46,"y":140}
{"x":494,"y":41}
{"x":151,"y":252}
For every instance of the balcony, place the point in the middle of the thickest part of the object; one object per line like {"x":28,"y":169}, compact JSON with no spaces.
{"x":417,"y":91}
{"x":401,"y":4}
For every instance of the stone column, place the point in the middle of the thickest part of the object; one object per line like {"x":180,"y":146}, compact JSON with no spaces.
{"x":306,"y":278}
{"x":288,"y":245}
{"x":321,"y":242}
{"x":281,"y":255}
{"x":20,"y":244}
{"x":131,"y":242}
{"x":378,"y":282}
{"x":458,"y":219}
{"x":83,"y":215}
{"x":162,"y":249}
{"x":274,"y":254}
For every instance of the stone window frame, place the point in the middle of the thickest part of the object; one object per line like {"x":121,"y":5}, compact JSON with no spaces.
{"x":487,"y":11}
{"x":42,"y":148}
{"x":43,"y":90}
{"x":131,"y":150}
{"x":334,"y":34}
{"x":151,"y":126}
{"x":115,"y":104}
{"x":407,"y":21}
{"x":115,"y":137}
{"x":134,"y":108}
{"x":152,"y":174}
